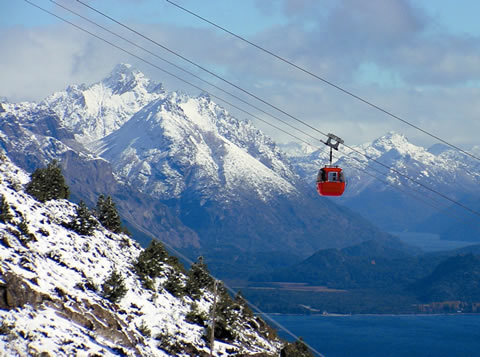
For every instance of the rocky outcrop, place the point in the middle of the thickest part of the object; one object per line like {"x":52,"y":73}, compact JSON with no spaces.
{"x":66,"y":293}
{"x":16,"y":292}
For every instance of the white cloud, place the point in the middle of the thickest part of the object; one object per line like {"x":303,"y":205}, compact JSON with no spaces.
{"x":40,"y":61}
{"x":434,"y":67}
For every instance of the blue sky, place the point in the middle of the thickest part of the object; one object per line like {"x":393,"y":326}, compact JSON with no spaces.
{"x":418,"y":59}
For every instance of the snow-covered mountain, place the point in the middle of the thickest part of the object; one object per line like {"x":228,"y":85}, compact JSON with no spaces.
{"x":53,"y":300}
{"x":179,"y":143}
{"x":182,"y":167}
{"x":94,"y":111}
{"x":395,"y":202}
{"x":33,"y":135}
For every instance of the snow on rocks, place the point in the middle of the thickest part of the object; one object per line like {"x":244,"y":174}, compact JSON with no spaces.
{"x":51,"y":279}
{"x":95,"y":111}
{"x":179,"y":142}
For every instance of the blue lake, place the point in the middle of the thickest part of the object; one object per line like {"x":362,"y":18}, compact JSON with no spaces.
{"x":386,"y":335}
{"x":429,"y":242}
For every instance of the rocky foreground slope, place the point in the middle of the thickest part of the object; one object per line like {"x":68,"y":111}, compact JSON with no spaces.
{"x":65,"y":294}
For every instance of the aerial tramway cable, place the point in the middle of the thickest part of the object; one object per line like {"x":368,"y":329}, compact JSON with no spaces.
{"x":192,"y":74}
{"x":274,"y":106}
{"x":229,"y":93}
{"x":336,"y":86}
{"x":232,"y":95}
{"x":141,"y":228}
{"x":209,"y":83}
{"x":181,"y":79}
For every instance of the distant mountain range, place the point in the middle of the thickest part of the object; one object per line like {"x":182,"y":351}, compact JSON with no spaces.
{"x":183,"y":169}
{"x":396,"y":203}
{"x":372,"y":277}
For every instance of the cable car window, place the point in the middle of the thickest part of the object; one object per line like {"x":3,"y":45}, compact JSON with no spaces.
{"x":321,"y":175}
{"x":332,"y":176}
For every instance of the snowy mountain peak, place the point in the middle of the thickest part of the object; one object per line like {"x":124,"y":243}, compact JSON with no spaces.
{"x":125,"y":78}
{"x":93,"y":112}
{"x":179,"y":141}
{"x":393,"y":147}
{"x":392,"y":140}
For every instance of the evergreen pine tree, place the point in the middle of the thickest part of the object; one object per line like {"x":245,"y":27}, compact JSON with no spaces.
{"x":174,"y":284}
{"x":296,"y":349}
{"x":5,"y":213}
{"x":108,"y":215}
{"x":99,"y":208}
{"x":149,"y":263}
{"x":48,"y":183}
{"x":114,"y":288}
{"x":83,"y":222}
{"x":242,"y":304}
{"x":198,"y":278}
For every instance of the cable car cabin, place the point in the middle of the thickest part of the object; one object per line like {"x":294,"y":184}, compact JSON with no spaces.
{"x":330,"y":181}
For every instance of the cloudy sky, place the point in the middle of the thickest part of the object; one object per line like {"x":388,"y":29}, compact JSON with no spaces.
{"x":419,"y":60}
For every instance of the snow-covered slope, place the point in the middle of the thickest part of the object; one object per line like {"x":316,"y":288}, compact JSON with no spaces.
{"x":228,"y":182}
{"x":51,"y":300}
{"x":33,"y":135}
{"x":180,"y":143}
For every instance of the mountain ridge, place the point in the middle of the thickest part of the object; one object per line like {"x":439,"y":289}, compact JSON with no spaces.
{"x":398,"y":203}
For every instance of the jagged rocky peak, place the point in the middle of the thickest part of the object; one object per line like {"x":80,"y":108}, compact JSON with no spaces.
{"x":392,"y":140}
{"x":180,"y":140}
{"x":124,"y":78}
{"x":394,"y":147}
{"x":94,"y":111}
{"x":95,"y":292}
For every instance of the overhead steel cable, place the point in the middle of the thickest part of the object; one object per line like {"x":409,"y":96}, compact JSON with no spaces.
{"x":201,"y":67}
{"x":422,"y":199}
{"x":175,"y":76}
{"x":221,"y":89}
{"x":415,"y":181}
{"x":293,"y":117}
{"x":207,"y":82}
{"x":231,"y":290}
{"x":141,"y":228}
{"x":269,"y":104}
{"x":336,"y":86}
{"x":190,"y":73}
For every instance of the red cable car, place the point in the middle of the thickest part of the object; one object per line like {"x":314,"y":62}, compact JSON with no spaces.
{"x":331,"y":179}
